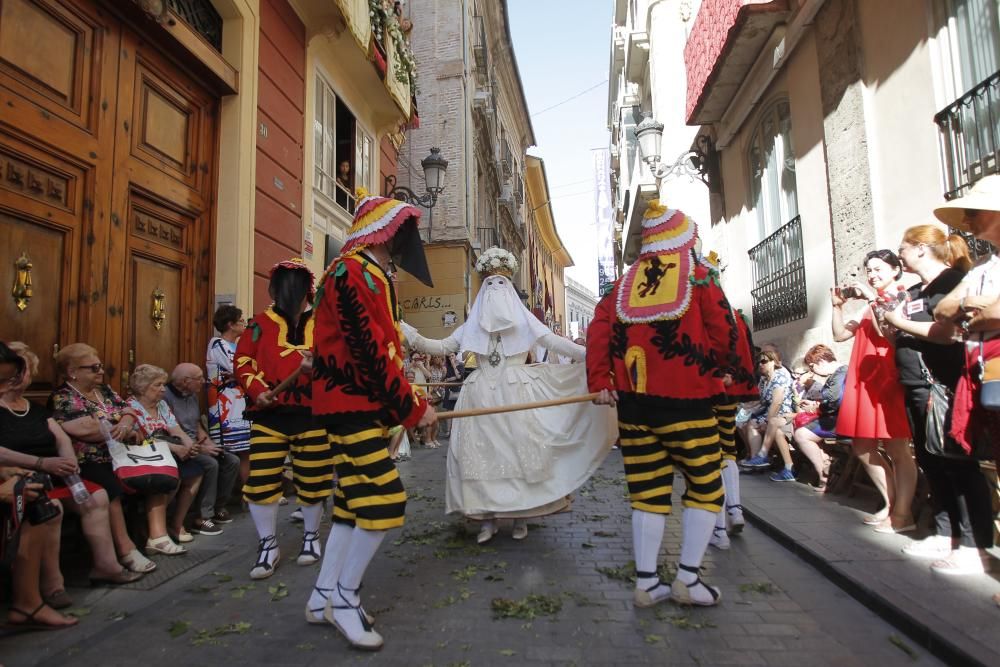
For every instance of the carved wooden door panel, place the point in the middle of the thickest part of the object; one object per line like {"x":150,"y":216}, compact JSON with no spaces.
{"x":57,"y":69}
{"x":164,"y":167}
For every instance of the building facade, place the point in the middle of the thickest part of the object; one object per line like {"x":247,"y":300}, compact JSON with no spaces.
{"x":837,"y":125}
{"x":647,"y":69}
{"x":580,"y":305}
{"x":545,"y":255}
{"x":154,"y":166}
{"x":475,"y":113}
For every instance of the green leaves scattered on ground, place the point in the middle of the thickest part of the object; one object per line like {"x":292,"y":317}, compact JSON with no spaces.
{"x":305,"y":646}
{"x":683,"y":621}
{"x":653,"y":639}
{"x":463,"y":594}
{"x":178,"y":628}
{"x":118,"y":616}
{"x":78,"y":612}
{"x":465,"y":574}
{"x":898,"y":642}
{"x":508,"y":652}
{"x":604,"y":533}
{"x":427,"y":536}
{"x":762,"y":587}
{"x":278,"y":592}
{"x":582,"y":600}
{"x":596,"y":517}
{"x":527,"y":608}
{"x":240,"y":591}
{"x":212,"y":636}
{"x":222,"y":577}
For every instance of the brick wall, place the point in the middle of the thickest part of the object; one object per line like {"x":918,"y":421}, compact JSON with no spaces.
{"x":280,"y":125}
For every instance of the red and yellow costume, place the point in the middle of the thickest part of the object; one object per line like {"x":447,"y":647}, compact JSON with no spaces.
{"x":359,"y":386}
{"x":267,"y":353}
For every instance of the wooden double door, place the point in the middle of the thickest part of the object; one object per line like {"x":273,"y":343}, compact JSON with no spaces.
{"x":107,"y":175}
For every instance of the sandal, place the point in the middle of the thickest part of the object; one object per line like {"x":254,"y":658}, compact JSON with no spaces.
{"x":164,"y":545}
{"x":894,"y":525}
{"x":30,"y":621}
{"x":125,"y":576}
{"x":680,"y":592}
{"x":58,"y":599}
{"x":264,"y":567}
{"x":134,"y":561}
{"x":311,"y":551}
{"x":365,"y":638}
{"x":325,"y":594}
{"x":877,"y":518}
{"x":184,"y":537}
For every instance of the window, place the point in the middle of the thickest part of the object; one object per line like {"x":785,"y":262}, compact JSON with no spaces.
{"x":772,"y":169}
{"x":344,"y":152}
{"x":777,"y":261}
{"x":969,"y":129}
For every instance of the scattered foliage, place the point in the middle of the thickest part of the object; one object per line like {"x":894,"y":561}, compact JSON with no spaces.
{"x":527,"y":608}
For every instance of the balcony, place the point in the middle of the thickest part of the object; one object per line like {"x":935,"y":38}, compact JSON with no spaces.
{"x":480,"y":50}
{"x":779,"y":277}
{"x":725,"y":40}
{"x":969,"y":133}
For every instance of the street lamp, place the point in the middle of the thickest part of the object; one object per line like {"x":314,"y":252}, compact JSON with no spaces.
{"x":701,"y":162}
{"x":435,"y":167}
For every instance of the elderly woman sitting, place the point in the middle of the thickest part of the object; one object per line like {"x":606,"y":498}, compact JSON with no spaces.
{"x":156,"y":421}
{"x":78,"y":406}
{"x":822,"y":362}
{"x":30,"y":430}
{"x":38,"y":536}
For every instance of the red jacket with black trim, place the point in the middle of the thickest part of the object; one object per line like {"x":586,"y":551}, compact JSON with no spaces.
{"x":744,"y":388}
{"x":265,"y":357}
{"x":676,"y":361}
{"x":358,"y":374}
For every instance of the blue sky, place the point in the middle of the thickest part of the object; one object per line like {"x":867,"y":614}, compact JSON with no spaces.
{"x":562,"y":49}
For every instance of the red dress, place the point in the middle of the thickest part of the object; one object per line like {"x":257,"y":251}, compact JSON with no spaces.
{"x":872,"y":404}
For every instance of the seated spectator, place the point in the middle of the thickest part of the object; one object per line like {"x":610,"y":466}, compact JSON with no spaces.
{"x":821,"y":361}
{"x":35,"y":544}
{"x":226,"y":399}
{"x":29,"y":430}
{"x":776,"y":399}
{"x":221,"y":468}
{"x":78,"y":404}
{"x":156,"y":421}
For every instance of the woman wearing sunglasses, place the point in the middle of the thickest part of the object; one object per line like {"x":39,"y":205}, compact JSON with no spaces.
{"x":77,"y":405}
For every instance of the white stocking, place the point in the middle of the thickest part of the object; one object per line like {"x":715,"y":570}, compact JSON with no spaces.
{"x":364,"y":544}
{"x":333,"y":564}
{"x":731,"y":482}
{"x":265,"y":518}
{"x":698,"y":525}
{"x":647,"y":534}
{"x":312,"y":514}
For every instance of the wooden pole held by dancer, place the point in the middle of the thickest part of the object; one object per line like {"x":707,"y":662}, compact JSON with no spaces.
{"x":479,"y":412}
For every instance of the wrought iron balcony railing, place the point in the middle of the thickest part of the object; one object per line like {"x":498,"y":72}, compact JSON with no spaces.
{"x":779,"y":277}
{"x":969,"y":131}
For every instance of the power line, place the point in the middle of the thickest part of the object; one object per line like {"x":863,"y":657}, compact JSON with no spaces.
{"x":569,"y":99}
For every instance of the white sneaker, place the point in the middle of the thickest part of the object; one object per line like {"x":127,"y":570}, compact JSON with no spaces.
{"x":734,"y":519}
{"x":935,"y":546}
{"x":719,"y":539}
{"x":963,"y":560}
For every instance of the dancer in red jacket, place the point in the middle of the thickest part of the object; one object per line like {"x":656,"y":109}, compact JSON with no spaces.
{"x":273,"y":348}
{"x":360,"y":392}
{"x":660,"y":343}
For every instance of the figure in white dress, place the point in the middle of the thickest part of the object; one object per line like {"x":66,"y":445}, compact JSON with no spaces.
{"x":518,"y":464}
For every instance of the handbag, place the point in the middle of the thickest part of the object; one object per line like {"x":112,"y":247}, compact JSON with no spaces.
{"x":937,"y":428}
{"x":148,"y":468}
{"x":989,"y":376}
{"x":802,"y":418}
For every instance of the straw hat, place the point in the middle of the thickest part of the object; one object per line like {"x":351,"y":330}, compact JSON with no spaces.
{"x":984,"y":195}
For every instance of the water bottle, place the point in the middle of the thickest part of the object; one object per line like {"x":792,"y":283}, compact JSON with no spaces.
{"x":77,"y":488}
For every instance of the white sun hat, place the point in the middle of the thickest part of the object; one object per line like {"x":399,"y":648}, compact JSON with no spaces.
{"x":984,"y":195}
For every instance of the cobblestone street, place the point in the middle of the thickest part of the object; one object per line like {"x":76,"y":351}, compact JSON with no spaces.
{"x":438,"y":597}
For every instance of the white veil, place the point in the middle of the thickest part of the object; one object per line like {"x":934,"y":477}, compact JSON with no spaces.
{"x":498,"y":310}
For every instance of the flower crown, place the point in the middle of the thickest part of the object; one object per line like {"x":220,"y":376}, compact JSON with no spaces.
{"x":496,"y":261}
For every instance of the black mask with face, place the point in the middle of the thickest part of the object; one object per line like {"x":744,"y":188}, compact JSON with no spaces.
{"x":407,"y":252}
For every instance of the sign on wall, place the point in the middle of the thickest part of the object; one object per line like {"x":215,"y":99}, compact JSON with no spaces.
{"x":604,"y":217}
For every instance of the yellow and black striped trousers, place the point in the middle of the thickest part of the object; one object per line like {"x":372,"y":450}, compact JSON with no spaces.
{"x":725,"y":413}
{"x":653,"y":441}
{"x":369,"y":492}
{"x":272,"y":438}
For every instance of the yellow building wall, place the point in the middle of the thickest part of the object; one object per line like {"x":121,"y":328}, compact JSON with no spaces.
{"x":429,"y":308}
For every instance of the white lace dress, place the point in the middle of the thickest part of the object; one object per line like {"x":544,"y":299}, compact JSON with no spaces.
{"x":526,"y":463}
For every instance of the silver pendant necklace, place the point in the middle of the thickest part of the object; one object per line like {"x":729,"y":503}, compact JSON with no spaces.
{"x":494,"y":357}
